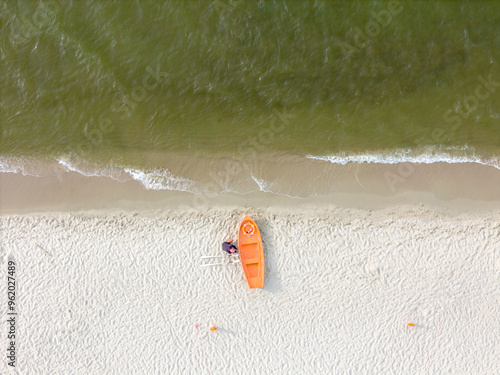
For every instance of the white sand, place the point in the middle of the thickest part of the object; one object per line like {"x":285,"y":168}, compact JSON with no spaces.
{"x":120,"y":293}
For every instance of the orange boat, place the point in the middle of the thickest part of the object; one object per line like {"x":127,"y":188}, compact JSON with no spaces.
{"x":251,"y":253}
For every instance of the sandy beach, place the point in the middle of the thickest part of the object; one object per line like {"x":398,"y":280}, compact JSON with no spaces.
{"x":116,"y":291}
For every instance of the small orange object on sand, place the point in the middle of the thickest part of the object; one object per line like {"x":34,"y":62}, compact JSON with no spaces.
{"x":213,"y":328}
{"x":251,"y":253}
{"x":411,"y":324}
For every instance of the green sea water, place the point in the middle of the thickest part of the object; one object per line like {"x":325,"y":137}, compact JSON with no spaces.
{"x":112,"y":81}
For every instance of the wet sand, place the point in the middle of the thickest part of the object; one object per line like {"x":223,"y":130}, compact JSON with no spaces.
{"x":454,"y":186}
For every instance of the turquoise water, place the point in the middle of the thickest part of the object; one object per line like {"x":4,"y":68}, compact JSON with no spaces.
{"x":96,"y":85}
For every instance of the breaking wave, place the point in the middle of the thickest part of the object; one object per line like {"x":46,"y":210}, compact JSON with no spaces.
{"x":450,"y":155}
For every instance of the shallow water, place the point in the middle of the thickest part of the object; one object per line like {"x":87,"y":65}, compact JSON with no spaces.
{"x":128,"y":85}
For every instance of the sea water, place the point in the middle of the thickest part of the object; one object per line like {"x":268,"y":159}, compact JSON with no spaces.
{"x":180,"y":94}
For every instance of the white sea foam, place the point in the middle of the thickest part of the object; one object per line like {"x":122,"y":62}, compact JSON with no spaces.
{"x":154,"y":180}
{"x":267,"y":187}
{"x":90,"y":170}
{"x":9,"y":165}
{"x":161,"y":180}
{"x":410,"y":156}
{"x":27,"y":166}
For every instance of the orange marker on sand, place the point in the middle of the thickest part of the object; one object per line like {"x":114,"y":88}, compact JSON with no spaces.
{"x":213,"y":328}
{"x":411,"y":324}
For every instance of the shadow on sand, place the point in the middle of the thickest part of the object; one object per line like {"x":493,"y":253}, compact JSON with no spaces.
{"x":272,"y":282}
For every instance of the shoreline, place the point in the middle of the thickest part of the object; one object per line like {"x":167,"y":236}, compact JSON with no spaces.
{"x":455,"y":187}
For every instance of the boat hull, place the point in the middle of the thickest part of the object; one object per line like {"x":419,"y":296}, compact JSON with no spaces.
{"x":251,"y":253}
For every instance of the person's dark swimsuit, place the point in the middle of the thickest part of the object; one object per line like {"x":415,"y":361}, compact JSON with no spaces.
{"x":226,"y":246}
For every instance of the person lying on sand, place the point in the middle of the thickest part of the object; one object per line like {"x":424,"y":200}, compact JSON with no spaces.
{"x":228,"y":247}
